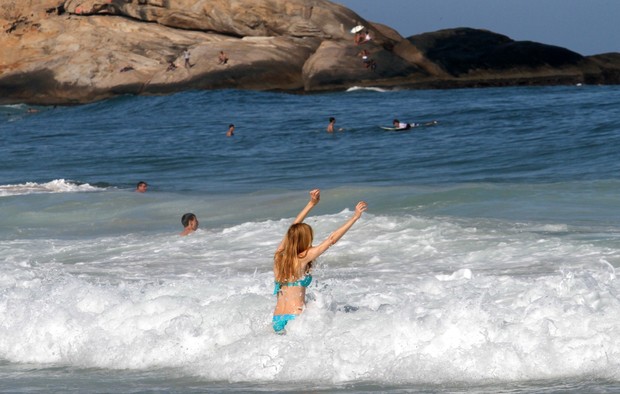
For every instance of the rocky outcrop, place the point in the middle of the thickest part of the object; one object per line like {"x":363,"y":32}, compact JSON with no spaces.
{"x":605,"y":69}
{"x":475,"y":57}
{"x":77,"y":51}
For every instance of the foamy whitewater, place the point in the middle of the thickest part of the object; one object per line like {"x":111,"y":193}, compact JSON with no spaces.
{"x":486,"y":261}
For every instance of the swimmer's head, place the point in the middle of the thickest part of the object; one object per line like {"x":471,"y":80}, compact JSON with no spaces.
{"x":189,"y":219}
{"x":141,"y":187}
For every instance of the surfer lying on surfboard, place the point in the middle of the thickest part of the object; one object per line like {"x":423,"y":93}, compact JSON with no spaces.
{"x":398,"y":125}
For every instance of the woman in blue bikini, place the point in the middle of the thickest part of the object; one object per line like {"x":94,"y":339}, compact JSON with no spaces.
{"x":293,"y":261}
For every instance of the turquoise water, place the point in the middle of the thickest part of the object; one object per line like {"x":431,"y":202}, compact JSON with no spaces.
{"x":486,"y":260}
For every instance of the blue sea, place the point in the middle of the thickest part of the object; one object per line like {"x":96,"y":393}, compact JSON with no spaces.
{"x":486,"y":261}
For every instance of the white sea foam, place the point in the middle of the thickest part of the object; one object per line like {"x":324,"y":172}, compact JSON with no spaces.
{"x":368,"y":88}
{"x":55,"y":186}
{"x":398,"y":300}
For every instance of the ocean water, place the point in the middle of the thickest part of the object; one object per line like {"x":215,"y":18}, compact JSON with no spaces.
{"x":485,"y":262}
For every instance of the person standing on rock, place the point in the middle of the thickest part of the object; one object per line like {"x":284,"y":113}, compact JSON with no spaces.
{"x":186,"y":57}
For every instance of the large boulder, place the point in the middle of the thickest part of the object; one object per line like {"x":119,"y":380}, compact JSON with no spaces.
{"x":605,"y":69}
{"x":239,"y":18}
{"x":480,"y":57}
{"x":76,"y":51}
{"x":337,"y":64}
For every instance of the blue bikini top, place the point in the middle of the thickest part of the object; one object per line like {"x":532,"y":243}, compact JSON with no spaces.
{"x":303,"y":282}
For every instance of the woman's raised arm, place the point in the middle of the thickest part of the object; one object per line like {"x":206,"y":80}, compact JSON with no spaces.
{"x":315,"y":197}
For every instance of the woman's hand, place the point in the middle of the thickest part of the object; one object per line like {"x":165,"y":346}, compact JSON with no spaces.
{"x":360,"y":208}
{"x":315,"y":196}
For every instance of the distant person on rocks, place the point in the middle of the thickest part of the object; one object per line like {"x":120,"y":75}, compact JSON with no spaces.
{"x":358,"y":38}
{"x":186,"y":56}
{"x":364,"y":55}
{"x":190,"y":224}
{"x":222,"y":58}
{"x":171,"y":66}
{"x":231,"y":130}
{"x":141,"y":187}
{"x":367,"y":60}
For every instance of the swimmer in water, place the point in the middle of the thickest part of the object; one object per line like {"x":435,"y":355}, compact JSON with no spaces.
{"x":294,"y":258}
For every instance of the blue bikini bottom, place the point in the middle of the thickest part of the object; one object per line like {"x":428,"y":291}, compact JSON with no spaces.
{"x":279,"y":321}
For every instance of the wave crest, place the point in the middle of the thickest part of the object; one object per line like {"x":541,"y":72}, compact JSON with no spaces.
{"x":55,"y":186}
{"x":367,"y":88}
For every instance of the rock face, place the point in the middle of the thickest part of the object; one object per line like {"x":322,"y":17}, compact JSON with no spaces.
{"x":481,"y":58}
{"x":77,"y":51}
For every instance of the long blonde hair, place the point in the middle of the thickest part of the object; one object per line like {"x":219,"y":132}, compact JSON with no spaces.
{"x":286,"y":265}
